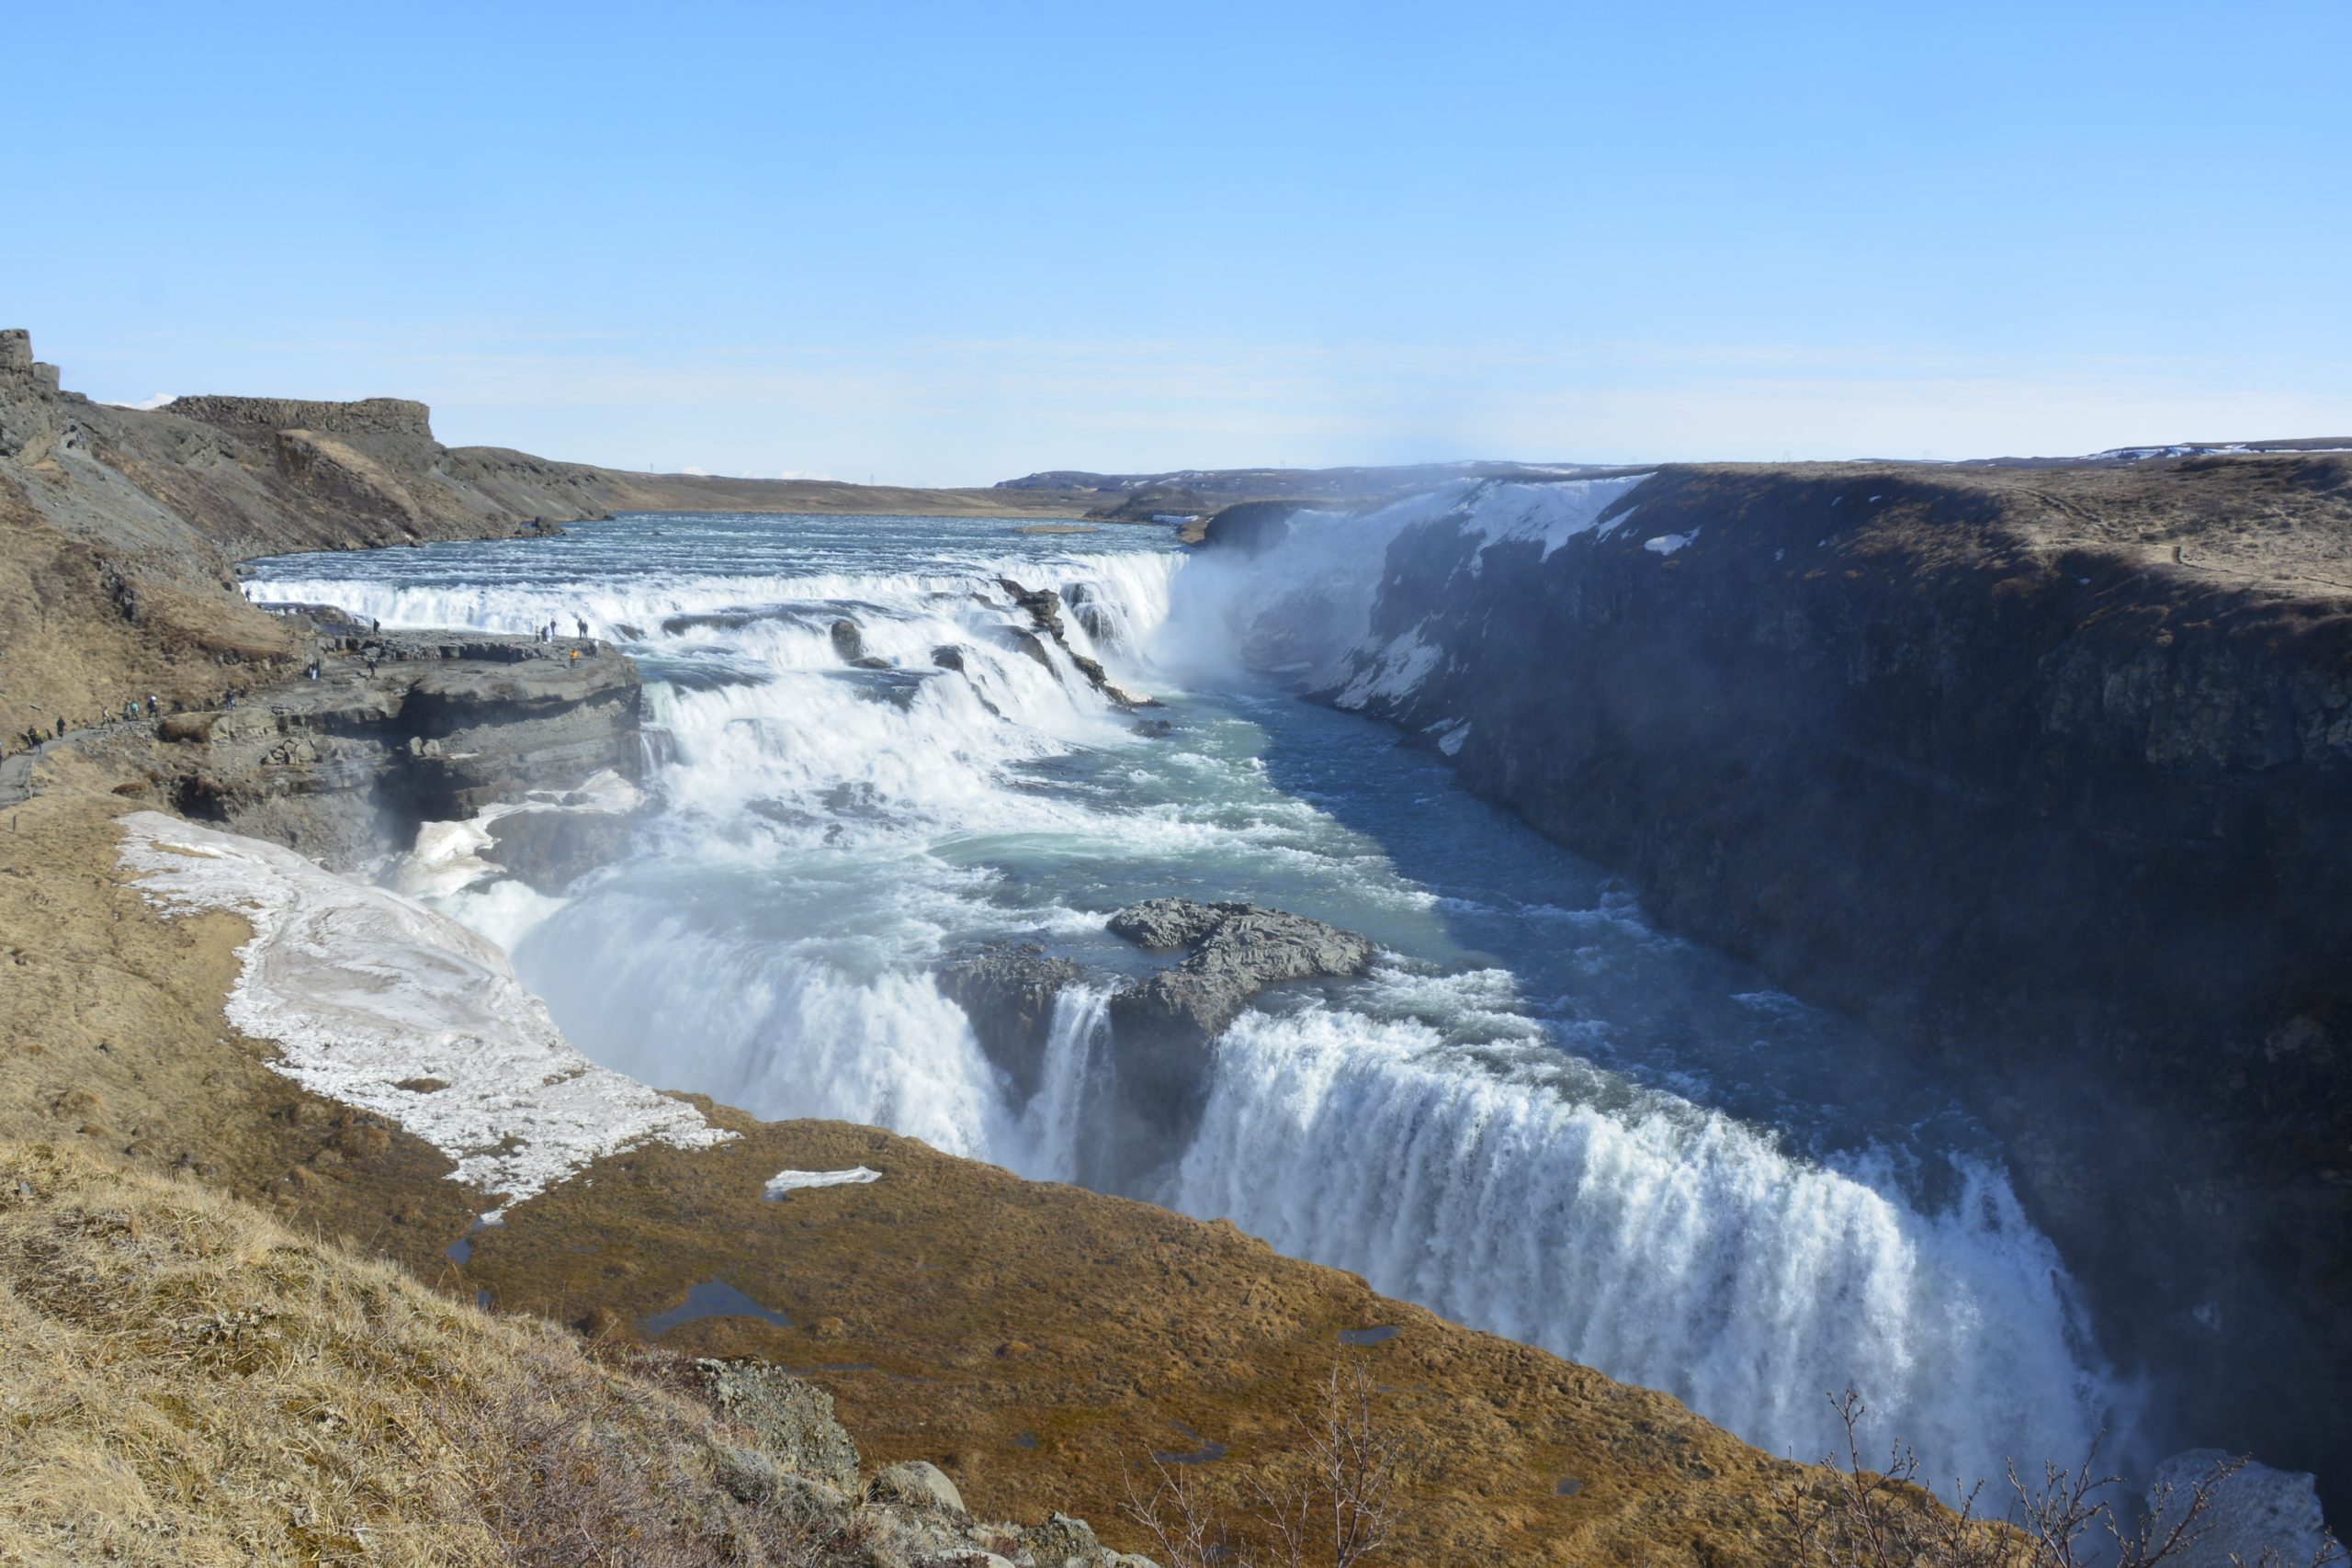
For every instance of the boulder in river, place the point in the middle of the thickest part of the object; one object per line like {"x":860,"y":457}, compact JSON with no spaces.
{"x":849,"y":645}
{"x":1233,"y":952}
{"x":1162,"y":1026}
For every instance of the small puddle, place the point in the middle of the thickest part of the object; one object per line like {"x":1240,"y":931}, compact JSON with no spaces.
{"x":712,"y":1298}
{"x":1569,"y":1486}
{"x":483,"y":1297}
{"x":1377,"y":1333}
{"x":1024,"y":1439}
{"x":461,"y":1250}
{"x":1208,"y":1452}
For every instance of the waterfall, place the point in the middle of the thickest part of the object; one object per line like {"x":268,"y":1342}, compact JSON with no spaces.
{"x":1659,"y":1243}
{"x":829,"y":830}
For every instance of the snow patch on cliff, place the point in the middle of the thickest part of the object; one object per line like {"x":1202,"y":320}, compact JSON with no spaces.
{"x":365,"y":990}
{"x":1396,"y":671}
{"x":1553,"y":514}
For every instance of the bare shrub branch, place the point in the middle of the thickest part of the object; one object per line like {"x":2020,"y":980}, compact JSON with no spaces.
{"x":1863,"y":1519}
{"x":1337,"y":1499}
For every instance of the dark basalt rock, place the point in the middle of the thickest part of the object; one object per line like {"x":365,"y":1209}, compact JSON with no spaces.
{"x":1162,"y":1027}
{"x":1234,"y":950}
{"x":1250,"y":526}
{"x":1007,"y":989}
{"x":1086,"y":608}
{"x":411,"y":727}
{"x":849,"y":643}
{"x":1026,"y":643}
{"x":552,"y":848}
{"x":1044,"y":609}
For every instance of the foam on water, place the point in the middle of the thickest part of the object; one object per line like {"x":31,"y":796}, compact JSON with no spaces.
{"x":1539,"y":1116}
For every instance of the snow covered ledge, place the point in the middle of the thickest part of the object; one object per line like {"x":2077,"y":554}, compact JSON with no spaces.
{"x":365,"y":990}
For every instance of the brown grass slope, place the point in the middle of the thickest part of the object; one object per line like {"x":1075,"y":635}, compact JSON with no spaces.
{"x":189,"y":1382}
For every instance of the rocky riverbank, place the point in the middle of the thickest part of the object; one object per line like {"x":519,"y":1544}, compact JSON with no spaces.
{"x":2043,"y":772}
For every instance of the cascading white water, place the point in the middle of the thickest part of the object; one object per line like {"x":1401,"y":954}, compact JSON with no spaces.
{"x":1667,"y":1246}
{"x":1062,"y":1115}
{"x":1512,"y":1140}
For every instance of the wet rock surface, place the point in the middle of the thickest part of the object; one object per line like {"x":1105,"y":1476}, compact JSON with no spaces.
{"x":1044,"y":610}
{"x":1163,"y":1023}
{"x":1232,"y":951}
{"x":1007,"y":989}
{"x":849,"y":646}
{"x":550,"y":850}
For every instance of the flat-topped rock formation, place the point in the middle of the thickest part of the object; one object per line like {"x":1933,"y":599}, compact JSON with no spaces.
{"x":402,"y":728}
{"x":265,"y":417}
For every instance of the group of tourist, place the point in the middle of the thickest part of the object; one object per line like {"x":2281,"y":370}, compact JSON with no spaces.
{"x":37,"y":736}
{"x":371,"y":652}
{"x":34,"y":737}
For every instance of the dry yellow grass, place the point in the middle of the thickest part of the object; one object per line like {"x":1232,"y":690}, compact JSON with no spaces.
{"x":186,"y":1382}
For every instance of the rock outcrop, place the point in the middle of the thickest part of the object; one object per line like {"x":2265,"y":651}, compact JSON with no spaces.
{"x":1231,"y":953}
{"x":792,"y":1421}
{"x":405,"y":728}
{"x":1163,"y":1024}
{"x":1044,"y":611}
{"x":2043,"y":773}
{"x":2254,"y":1515}
{"x":1007,"y":989}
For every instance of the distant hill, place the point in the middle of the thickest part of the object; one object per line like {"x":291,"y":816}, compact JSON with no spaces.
{"x":1194,"y":492}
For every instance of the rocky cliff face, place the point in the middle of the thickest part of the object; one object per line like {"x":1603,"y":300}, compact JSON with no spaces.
{"x":407,"y":728}
{"x":2046,"y":774}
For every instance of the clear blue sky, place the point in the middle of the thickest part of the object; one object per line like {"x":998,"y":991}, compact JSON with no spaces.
{"x":952,"y":244}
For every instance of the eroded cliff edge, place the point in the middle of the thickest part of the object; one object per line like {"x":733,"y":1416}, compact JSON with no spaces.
{"x":2045,"y":773}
